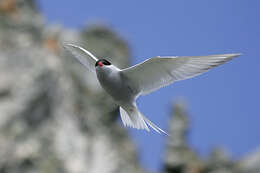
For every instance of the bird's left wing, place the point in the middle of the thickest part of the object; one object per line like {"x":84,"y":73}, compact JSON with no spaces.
{"x":82,"y":55}
{"x":158,"y":72}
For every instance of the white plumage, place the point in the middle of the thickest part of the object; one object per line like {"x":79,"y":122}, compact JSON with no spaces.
{"x":127,"y":84}
{"x":158,"y":72}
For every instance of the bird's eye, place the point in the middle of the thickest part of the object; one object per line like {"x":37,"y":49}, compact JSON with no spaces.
{"x":105,"y":62}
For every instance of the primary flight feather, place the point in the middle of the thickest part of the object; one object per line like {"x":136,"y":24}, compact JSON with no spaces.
{"x":125,"y":85}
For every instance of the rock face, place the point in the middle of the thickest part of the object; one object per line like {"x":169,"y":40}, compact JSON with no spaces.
{"x":54,"y":117}
{"x":181,"y":159}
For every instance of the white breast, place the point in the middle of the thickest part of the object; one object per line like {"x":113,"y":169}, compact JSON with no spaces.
{"x":114,"y":84}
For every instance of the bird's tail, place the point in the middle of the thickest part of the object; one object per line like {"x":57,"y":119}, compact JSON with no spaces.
{"x":132,"y":117}
{"x":153,"y":126}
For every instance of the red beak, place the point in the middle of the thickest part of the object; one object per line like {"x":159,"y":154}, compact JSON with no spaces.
{"x":100,"y":64}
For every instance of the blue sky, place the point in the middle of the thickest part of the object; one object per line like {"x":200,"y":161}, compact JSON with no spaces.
{"x":223,"y":104}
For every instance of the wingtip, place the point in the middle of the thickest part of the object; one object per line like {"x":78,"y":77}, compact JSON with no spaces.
{"x":229,"y":56}
{"x":235,"y":55}
{"x":66,"y":45}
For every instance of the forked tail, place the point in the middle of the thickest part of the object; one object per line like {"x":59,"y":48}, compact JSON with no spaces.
{"x":133,"y":118}
{"x":153,"y":126}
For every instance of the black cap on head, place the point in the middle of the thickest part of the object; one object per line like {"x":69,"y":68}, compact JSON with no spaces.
{"x":103,"y":61}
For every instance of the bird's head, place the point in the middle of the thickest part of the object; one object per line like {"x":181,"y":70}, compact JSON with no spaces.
{"x":102,"y":62}
{"x":104,"y":66}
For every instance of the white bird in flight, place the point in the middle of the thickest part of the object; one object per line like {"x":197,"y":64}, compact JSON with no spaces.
{"x":126,"y":85}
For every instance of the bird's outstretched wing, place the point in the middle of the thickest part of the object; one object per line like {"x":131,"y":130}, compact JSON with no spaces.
{"x":82,"y":55}
{"x":158,"y":72}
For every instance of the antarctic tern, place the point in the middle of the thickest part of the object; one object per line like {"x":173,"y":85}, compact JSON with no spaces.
{"x":126,"y":85}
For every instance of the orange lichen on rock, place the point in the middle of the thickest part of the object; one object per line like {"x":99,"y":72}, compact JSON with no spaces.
{"x":51,"y":44}
{"x":8,"y":6}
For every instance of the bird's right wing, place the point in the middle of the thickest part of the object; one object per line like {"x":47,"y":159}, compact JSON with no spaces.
{"x":82,"y":55}
{"x":155,"y":73}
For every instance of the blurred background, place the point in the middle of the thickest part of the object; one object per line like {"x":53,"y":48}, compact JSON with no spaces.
{"x":54,"y":117}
